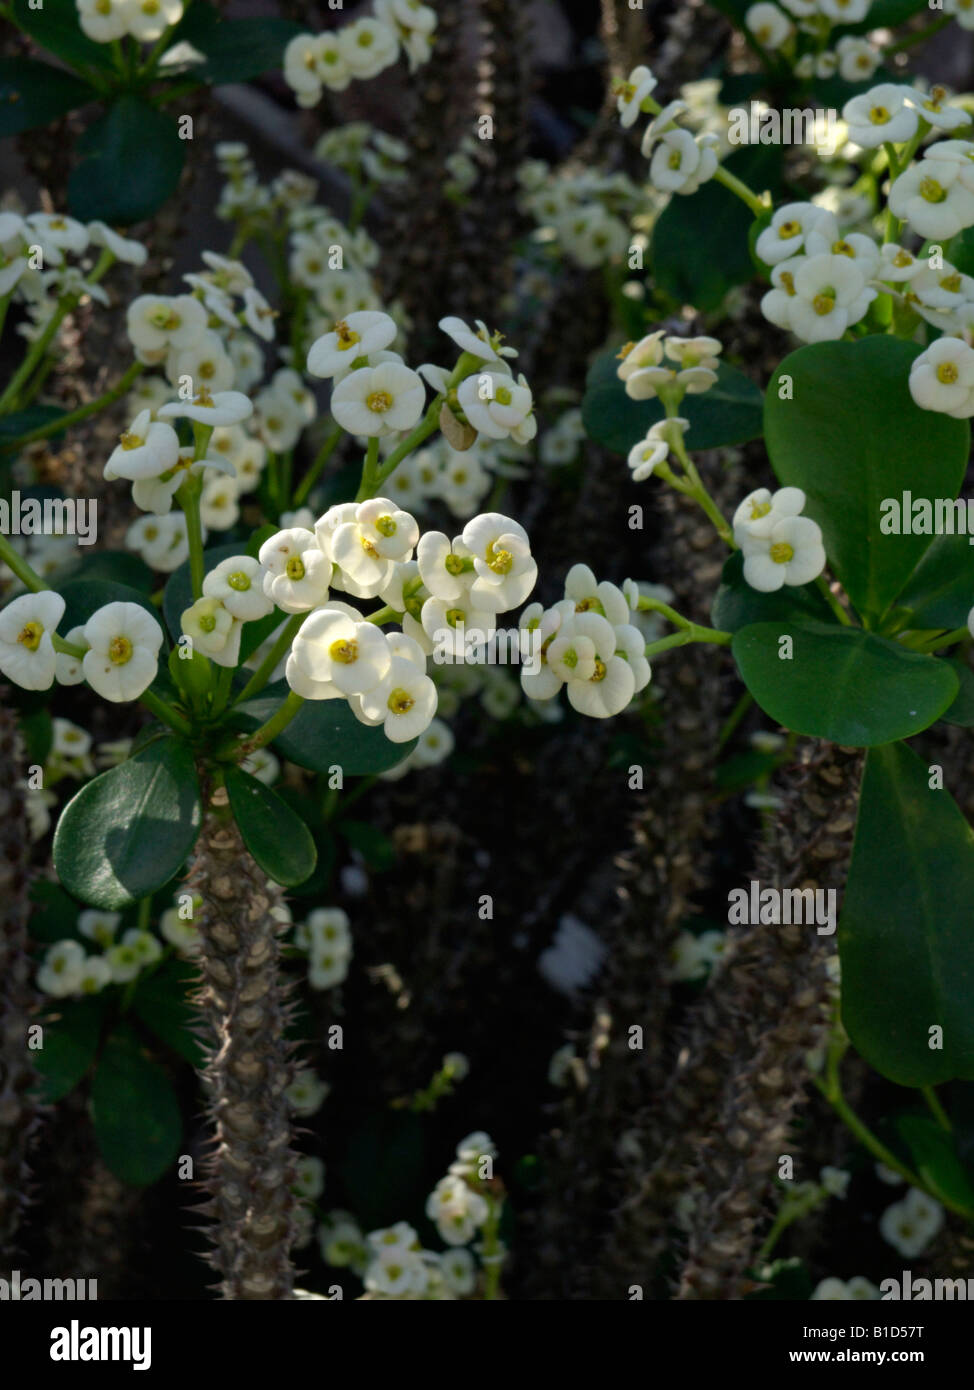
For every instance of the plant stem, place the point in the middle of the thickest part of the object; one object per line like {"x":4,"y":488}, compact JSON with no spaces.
{"x":735,"y":717}
{"x":263,"y":673}
{"x":314,"y":472}
{"x":74,"y":417}
{"x":428,"y":426}
{"x":759,"y":206}
{"x":37,"y":350}
{"x":830,"y":598}
{"x":370,"y":470}
{"x":188,"y":498}
{"x":20,"y":567}
{"x":165,"y":713}
{"x":919,"y":36}
{"x":277,"y":722}
{"x":936,"y":1109}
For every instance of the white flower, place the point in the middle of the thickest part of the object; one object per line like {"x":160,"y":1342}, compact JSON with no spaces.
{"x":830,"y":294}
{"x":655,"y":448}
{"x":612,"y":682}
{"x":569,"y":964}
{"x":148,"y":19}
{"x":835,"y":1181}
{"x":306,"y":1092}
{"x":844,"y":11}
{"x":124,"y":249}
{"x":404,"y":703}
{"x":27,"y":655}
{"x":67,"y":668}
{"x":147,"y":449}
{"x":497,"y":406}
{"x":326,"y":969}
{"x":962,"y":11}
{"x":123,"y":641}
{"x":631,"y":94}
{"x":309,"y":1177}
{"x":237,"y":583}
{"x":326,"y":929}
{"x":785,"y":234}
{"x":911,"y":1224}
{"x":791,"y":552}
{"x":104,"y":20}
{"x":222,"y":408}
{"x":858,"y":60}
{"x":368,"y":46}
{"x":379,"y":400}
{"x":880,"y":115}
{"x":219,"y":505}
{"x":435,"y":745}
{"x":206,"y":363}
{"x":96,"y":973}
{"x":501,"y":550}
{"x":296,"y":572}
{"x":352,"y":655}
{"x":157,"y":323}
{"x":635,"y":357}
{"x":680,"y":163}
{"x":942,"y":378}
{"x":897,"y":264}
{"x":180,"y":932}
{"x":459,"y":1270}
{"x":684,"y":960}
{"x":99,"y":926}
{"x":357,"y":335}
{"x":588,"y":595}
{"x":123,"y":961}
{"x":213,"y":630}
{"x":761,"y":511}
{"x":933,"y":108}
{"x":63,"y":966}
{"x":933,"y":198}
{"x":768,"y":25}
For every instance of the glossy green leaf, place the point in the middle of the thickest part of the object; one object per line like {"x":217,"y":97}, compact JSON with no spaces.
{"x":138,"y":139}
{"x":934,"y":1159}
{"x":235,"y":50}
{"x":35,"y":94}
{"x":841,"y":683}
{"x":276,"y":836}
{"x":736,"y":604}
{"x":72,"y":1028}
{"x":325,"y":734}
{"x":128,"y":832}
{"x":54,"y":24}
{"x":940,"y":591}
{"x":905,"y":938}
{"x":83,"y":597}
{"x":376,"y":848}
{"x":729,"y":413}
{"x":134,"y":1110}
{"x":961,"y":711}
{"x":852,"y":437}
{"x":700,"y":241}
{"x":53,"y":915}
{"x":112,"y":566}
{"x":162,"y":1002}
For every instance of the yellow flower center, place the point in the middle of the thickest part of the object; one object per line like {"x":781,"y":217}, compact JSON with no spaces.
{"x":120,"y":651}
{"x":130,"y":441}
{"x":30,"y":635}
{"x":951,"y":283}
{"x":347,"y":337}
{"x":455,"y":615}
{"x":207,"y":622}
{"x":503,"y":396}
{"x":902,"y":259}
{"x":675,"y":159}
{"x":238,"y":580}
{"x":400,"y":701}
{"x":788,"y":281}
{"x":824,"y":302}
{"x":624,"y":351}
{"x":781,"y":553}
{"x":947,"y":373}
{"x":570,"y":658}
{"x":379,"y":401}
{"x":789,"y":229}
{"x":932,"y":191}
{"x":203,"y":397}
{"x":385,"y":526}
{"x":294,"y":569}
{"x":759,"y":509}
{"x":345,"y":651}
{"x":600,"y":670}
{"x":842,"y":248}
{"x":453,"y":564}
{"x":500,"y":561}
{"x":879,"y":115}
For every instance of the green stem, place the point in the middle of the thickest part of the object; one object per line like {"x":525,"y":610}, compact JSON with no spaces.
{"x":693,"y":633}
{"x":277,"y":722}
{"x":370,"y":472}
{"x":700,"y":494}
{"x":918,"y":36}
{"x":263,"y":673}
{"x":188,"y":498}
{"x":165,"y":713}
{"x":384,"y":615}
{"x":947,"y":640}
{"x":221,"y":694}
{"x":28,"y":577}
{"x":37,"y":350}
{"x":832,"y":601}
{"x":83,"y":411}
{"x":759,"y":206}
{"x":735,"y":717}
{"x":428,"y":426}
{"x":314,"y":472}
{"x":936,"y":1109}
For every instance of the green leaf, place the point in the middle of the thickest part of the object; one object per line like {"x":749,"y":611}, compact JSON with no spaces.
{"x":53,"y":916}
{"x":841,"y":683}
{"x":127,"y":832}
{"x":24,"y":421}
{"x":736,"y":604}
{"x":729,"y":413}
{"x":905,"y":939}
{"x":83,"y":597}
{"x":71,"y":1033}
{"x":700,"y":241}
{"x":134,"y":1109}
{"x":35,"y":94}
{"x":934,"y":1159}
{"x":962,"y":710}
{"x":238,"y":49}
{"x":852,"y":437}
{"x":276,"y":836}
{"x":38,"y":731}
{"x":162,"y":1001}
{"x":940,"y":591}
{"x":54,"y":25}
{"x":138,"y":139}
{"x":326,"y":734}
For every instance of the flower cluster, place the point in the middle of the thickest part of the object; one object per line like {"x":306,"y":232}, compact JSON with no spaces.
{"x":68,"y":969}
{"x":641,"y":367}
{"x":778,"y":544}
{"x":105,"y":21}
{"x":358,"y":148}
{"x":327,"y":939}
{"x":588,"y":646}
{"x":359,"y":50}
{"x":587,"y":214}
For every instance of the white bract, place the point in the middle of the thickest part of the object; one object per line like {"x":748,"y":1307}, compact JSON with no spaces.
{"x":27,"y":624}
{"x":123,"y":643}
